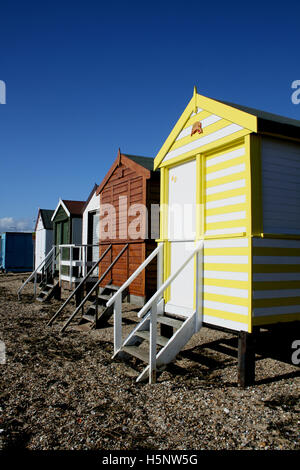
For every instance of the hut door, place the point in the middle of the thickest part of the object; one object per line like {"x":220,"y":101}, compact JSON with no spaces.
{"x":93,"y":238}
{"x":181,"y":234}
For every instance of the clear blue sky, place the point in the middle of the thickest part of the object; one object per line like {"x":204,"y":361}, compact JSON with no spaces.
{"x":86,"y":77}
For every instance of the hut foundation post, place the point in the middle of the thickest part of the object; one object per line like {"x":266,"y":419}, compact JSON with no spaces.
{"x":246,"y":359}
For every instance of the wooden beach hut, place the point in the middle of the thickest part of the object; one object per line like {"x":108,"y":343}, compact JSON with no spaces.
{"x":229,"y":231}
{"x":129,"y":194}
{"x":43,"y":236}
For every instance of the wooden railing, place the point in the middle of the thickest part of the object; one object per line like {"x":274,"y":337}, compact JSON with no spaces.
{"x":78,"y":287}
{"x":44,"y":265}
{"x":95,"y":287}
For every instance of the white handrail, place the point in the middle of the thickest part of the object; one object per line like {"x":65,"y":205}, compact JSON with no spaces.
{"x":134,"y":275}
{"x":36,"y":270}
{"x":170,"y":279}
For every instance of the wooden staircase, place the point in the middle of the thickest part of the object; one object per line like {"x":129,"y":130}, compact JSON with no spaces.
{"x":97,"y":313}
{"x":147,"y":342}
{"x":48,"y":290}
{"x":137,"y":345}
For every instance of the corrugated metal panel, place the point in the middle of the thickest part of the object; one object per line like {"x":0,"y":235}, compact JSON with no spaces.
{"x":281,"y":189}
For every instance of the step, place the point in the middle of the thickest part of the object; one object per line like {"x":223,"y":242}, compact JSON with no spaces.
{"x":112,"y":287}
{"x":89,"y":318}
{"x":104,"y":297}
{"x":170,"y":321}
{"x":137,"y":352}
{"x":161,"y":340}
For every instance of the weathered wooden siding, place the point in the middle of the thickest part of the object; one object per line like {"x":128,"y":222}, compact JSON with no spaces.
{"x":125,"y":190}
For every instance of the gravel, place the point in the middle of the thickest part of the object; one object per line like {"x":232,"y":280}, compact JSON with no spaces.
{"x":64,"y":391}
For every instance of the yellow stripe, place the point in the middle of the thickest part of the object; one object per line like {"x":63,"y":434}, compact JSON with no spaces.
{"x":227,"y":251}
{"x":275,"y":285}
{"x":232,"y":114}
{"x":226,"y":315}
{"x":267,"y":320}
{"x":226,"y":194}
{"x":226,"y":179}
{"x":254,"y":146}
{"x":205,"y":148}
{"x":225,"y":283}
{"x":226,"y":209}
{"x":281,"y":302}
{"x":226,"y":164}
{"x":197,"y":117}
{"x":226,"y":299}
{"x":225,"y":224}
{"x":206,"y":131}
{"x":242,"y":268}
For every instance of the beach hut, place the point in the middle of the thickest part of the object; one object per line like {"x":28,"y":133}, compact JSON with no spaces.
{"x":67,"y":228}
{"x":90,"y":230}
{"x":43,"y":236}
{"x":129,"y":194}
{"x":124,"y":220}
{"x":16,"y":252}
{"x":229,"y":231}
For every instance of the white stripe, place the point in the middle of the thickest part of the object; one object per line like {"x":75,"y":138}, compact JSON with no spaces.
{"x":230,"y":243}
{"x":276,"y":259}
{"x":229,"y":201}
{"x":261,"y":277}
{"x":230,"y":324}
{"x":223,"y":217}
{"x":270,"y":311}
{"x":199,"y":111}
{"x":225,"y":157}
{"x":226,"y":172}
{"x":226,"y":275}
{"x":214,"y":136}
{"x":229,"y":291}
{"x":241,"y":310}
{"x":205,"y":122}
{"x":276,"y":294}
{"x":276,"y":243}
{"x":225,"y":231}
{"x":226,"y":187}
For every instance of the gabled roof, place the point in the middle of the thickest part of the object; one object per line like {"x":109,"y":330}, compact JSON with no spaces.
{"x":70,"y":207}
{"x":146,"y":162}
{"x":90,"y":197}
{"x":141,"y":165}
{"x":46,"y":215}
{"x":74,"y":207}
{"x":250,"y":119}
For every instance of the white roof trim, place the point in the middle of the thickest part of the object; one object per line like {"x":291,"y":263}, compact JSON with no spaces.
{"x":61,"y":203}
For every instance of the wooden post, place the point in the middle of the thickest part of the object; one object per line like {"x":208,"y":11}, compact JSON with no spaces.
{"x":246,"y":359}
{"x":118,"y":323}
{"x":78,"y":295}
{"x":152,"y":346}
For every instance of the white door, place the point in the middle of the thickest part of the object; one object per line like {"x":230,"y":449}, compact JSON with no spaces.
{"x":181,"y":234}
